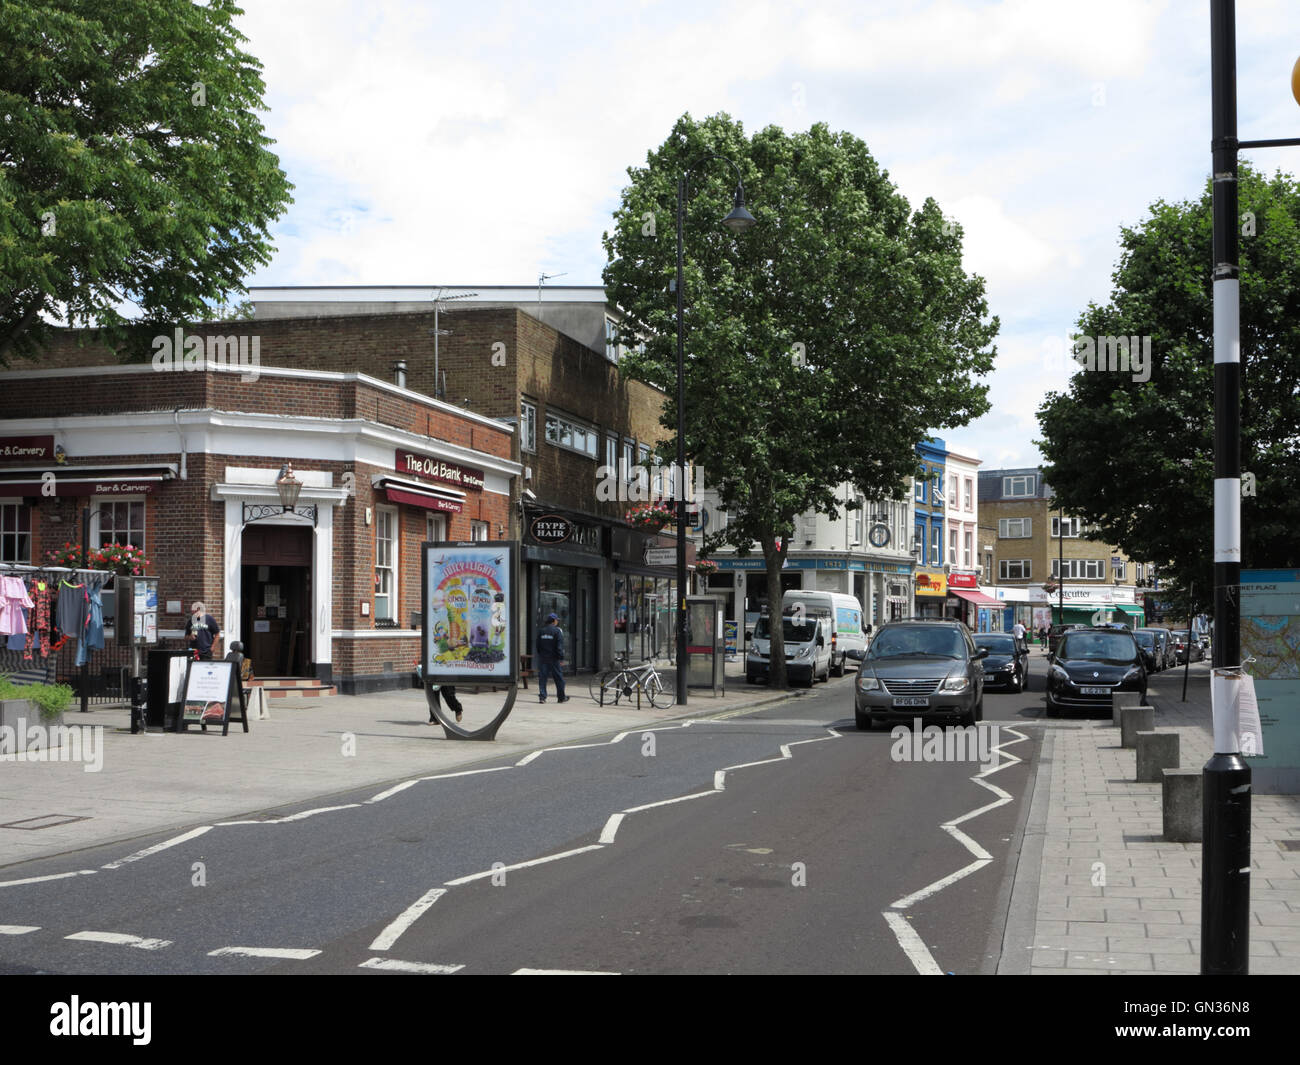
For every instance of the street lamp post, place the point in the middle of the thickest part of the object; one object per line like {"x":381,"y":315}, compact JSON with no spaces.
{"x":737,"y":221}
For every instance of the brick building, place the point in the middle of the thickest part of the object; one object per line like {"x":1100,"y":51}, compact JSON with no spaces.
{"x":179,"y":463}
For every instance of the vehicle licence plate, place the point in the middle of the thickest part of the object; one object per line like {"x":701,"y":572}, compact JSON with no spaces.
{"x":1095,"y":691}
{"x":911,"y":701}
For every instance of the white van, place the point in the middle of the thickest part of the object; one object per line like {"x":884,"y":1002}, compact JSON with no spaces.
{"x":845,"y":613}
{"x":807,"y":648}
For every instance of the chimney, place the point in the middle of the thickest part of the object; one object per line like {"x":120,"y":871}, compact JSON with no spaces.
{"x":399,"y":374}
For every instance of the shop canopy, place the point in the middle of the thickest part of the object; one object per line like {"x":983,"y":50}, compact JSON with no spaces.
{"x":978,"y":598}
{"x":418,"y":494}
{"x":1130,"y":610}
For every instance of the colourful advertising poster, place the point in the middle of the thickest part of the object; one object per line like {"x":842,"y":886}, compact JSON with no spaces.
{"x":469,"y":612}
{"x":207,"y":690}
{"x":1270,"y":634}
{"x":848,"y":620}
{"x":730,"y":634}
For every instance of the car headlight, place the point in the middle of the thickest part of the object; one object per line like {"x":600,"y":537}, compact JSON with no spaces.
{"x":805,"y":651}
{"x":955,"y":684}
{"x":1059,"y":673}
{"x":1007,"y":668}
{"x":868,"y":682}
{"x":1133,"y":674}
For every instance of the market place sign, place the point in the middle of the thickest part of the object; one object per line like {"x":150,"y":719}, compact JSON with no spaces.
{"x":432,"y":468}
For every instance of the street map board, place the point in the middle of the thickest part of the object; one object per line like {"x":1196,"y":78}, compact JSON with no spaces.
{"x":1270,"y":633}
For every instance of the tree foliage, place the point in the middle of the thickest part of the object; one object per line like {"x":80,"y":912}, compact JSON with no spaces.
{"x":133,"y":166}
{"x":1137,"y":458}
{"x":821,"y":345}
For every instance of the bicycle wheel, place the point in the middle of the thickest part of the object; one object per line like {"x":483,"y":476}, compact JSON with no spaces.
{"x":613,"y":686}
{"x":661,"y":697}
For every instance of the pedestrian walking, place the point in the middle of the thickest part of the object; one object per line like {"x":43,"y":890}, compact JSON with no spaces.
{"x":202,"y":631}
{"x":447,"y":692}
{"x":550,"y":656}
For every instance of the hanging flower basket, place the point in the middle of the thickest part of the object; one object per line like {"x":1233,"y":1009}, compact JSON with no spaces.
{"x":706,"y":567}
{"x":650,"y":517}
{"x":123,"y":559}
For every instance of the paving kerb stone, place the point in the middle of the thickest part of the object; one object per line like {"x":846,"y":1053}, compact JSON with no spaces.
{"x":159,"y":782}
{"x":1157,"y":921}
{"x":1156,"y":751}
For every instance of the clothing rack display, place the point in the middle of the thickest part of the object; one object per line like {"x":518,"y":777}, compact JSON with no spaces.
{"x":40,"y":608}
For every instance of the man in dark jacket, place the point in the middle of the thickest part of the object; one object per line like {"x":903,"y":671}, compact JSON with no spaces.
{"x":550,"y":655}
{"x":202,"y":631}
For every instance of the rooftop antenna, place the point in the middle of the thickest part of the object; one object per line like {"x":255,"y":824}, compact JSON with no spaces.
{"x":542,"y":278}
{"x":439,"y":299}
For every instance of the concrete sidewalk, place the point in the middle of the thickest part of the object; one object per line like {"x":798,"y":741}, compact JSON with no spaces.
{"x":307,"y":751}
{"x":1090,"y":817}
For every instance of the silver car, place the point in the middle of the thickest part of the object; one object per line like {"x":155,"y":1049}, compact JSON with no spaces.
{"x":927,"y":669}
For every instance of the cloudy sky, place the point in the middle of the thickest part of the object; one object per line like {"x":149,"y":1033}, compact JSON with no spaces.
{"x":437,"y":143}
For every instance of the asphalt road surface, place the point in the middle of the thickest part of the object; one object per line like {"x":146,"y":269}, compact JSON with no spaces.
{"x":784,"y":841}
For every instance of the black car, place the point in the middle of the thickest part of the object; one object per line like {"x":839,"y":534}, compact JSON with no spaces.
{"x":1091,"y":664}
{"x":1007,"y":664}
{"x":1149,"y":644}
{"x":1181,"y":648}
{"x":1165,"y":657}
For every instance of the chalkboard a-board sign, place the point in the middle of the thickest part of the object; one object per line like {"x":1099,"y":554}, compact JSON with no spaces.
{"x":213,"y":694}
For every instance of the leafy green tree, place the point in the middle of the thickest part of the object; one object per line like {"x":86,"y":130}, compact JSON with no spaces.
{"x":821,"y":345}
{"x":1137,"y":457}
{"x":133,"y":167}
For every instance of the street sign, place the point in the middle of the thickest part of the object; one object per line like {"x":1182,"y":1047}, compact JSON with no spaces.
{"x":660,"y":556}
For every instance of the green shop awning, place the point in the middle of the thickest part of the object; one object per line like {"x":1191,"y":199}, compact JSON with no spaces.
{"x":1075,"y":615}
{"x":1131,"y":611}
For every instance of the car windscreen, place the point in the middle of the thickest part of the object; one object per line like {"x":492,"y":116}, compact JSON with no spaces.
{"x":1146,"y":639}
{"x":793,"y":630}
{"x":918,"y":642}
{"x":997,"y":645}
{"x":1098,"y":646}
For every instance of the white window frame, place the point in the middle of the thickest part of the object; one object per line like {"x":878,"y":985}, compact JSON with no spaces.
{"x":918,"y":490}
{"x":611,"y":451}
{"x":479,"y":530}
{"x":970,"y":495}
{"x":97,"y":505}
{"x":952,"y":547}
{"x":1073,"y":528}
{"x":573,"y":428}
{"x":1026,"y":481}
{"x":392,"y":596}
{"x":936,"y":544}
{"x":1023,"y":569}
{"x":17,"y":504}
{"x":937,"y":497}
{"x":527,"y":426}
{"x":435,"y":526}
{"x":611,"y":345}
{"x":629,"y":458}
{"x":954,"y":492}
{"x":1007,"y":528}
{"x":968,"y":548}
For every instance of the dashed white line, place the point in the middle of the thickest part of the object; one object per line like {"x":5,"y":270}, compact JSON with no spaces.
{"x":18,"y":929}
{"x":120,"y":939}
{"x":148,"y":851}
{"x":43,"y":879}
{"x":406,"y":918}
{"x":396,"y":966}
{"x":289,"y":953}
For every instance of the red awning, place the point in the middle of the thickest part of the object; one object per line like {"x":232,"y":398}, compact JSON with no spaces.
{"x":978,"y":598}
{"x":419,"y":499}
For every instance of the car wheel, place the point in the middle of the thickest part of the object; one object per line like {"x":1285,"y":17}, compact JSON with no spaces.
{"x":837,"y":670}
{"x":1016,"y":683}
{"x":863,"y":721}
{"x":1052,"y":709}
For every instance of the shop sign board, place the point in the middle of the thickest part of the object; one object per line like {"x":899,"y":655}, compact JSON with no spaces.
{"x":432,"y":468}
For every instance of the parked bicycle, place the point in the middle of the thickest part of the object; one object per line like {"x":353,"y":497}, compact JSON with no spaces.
{"x":628,"y":683}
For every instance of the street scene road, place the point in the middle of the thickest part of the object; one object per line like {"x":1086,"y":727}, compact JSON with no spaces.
{"x":775,"y":841}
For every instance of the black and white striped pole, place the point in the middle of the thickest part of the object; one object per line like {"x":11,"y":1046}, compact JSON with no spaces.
{"x":1225,"y":847}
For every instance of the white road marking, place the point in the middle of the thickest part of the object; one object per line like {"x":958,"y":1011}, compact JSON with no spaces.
{"x":913,"y":946}
{"x":183,"y":838}
{"x":561,"y":972}
{"x":406,"y":918}
{"x":393,"y":965}
{"x":52,"y":876}
{"x":610,"y":830}
{"x":290,"y":953}
{"x":120,"y":939}
{"x":522,"y":865}
{"x":18,"y":929}
{"x":393,"y":790}
{"x":911,"y":943}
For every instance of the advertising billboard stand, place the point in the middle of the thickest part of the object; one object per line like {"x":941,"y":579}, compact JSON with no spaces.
{"x":470,"y":612}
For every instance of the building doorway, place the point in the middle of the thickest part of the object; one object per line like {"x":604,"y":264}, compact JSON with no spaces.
{"x":276,"y":597}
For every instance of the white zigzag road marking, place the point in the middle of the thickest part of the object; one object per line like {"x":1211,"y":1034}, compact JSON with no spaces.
{"x":148,"y":851}
{"x":52,"y":876}
{"x":908,"y":938}
{"x":610,"y":830}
